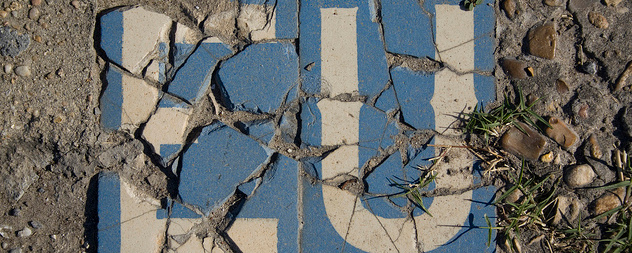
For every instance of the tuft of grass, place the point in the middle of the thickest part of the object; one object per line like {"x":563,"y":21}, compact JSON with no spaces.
{"x":413,"y":189}
{"x":529,"y":210}
{"x":470,"y":4}
{"x":492,"y":123}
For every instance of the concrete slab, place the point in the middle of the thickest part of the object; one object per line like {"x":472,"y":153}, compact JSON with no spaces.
{"x":324,"y":77}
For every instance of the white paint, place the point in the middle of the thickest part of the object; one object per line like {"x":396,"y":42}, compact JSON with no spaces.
{"x":139,"y":100}
{"x":166,"y":126}
{"x":142,"y":31}
{"x":351,"y":220}
{"x":339,"y":50}
{"x":140,"y":230}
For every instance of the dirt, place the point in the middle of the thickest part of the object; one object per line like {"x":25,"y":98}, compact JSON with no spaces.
{"x":51,"y":144}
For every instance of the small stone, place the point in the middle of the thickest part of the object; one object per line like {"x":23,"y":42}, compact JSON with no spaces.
{"x":579,"y":175}
{"x":528,"y":145}
{"x":36,"y":2}
{"x":589,"y":67}
{"x":598,"y":20}
{"x":4,"y":245}
{"x":37,"y":38}
{"x":561,"y":86}
{"x":15,"y":250}
{"x":608,"y":201}
{"x":58,"y":119}
{"x":514,"y":197}
{"x":36,"y":225}
{"x":76,"y":4}
{"x":542,"y":41}
{"x":11,"y":43}
{"x":24,"y":232}
{"x":8,"y":68}
{"x":583,"y":111}
{"x":595,"y":149}
{"x":555,"y":3}
{"x":621,"y":81}
{"x":60,"y":72}
{"x":34,"y":13}
{"x":509,"y":6}
{"x":547,"y":158}
{"x":53,"y":237}
{"x":514,"y":68}
{"x":14,"y":212}
{"x":561,"y":133}
{"x":612,"y":2}
{"x":3,"y":14}
{"x":23,"y":70}
{"x":14,"y":14}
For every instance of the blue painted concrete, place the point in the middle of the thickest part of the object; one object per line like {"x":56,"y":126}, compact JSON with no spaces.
{"x":111,"y":101}
{"x":407,"y":28}
{"x":414,"y":92}
{"x":269,"y":67}
{"x":217,"y":164}
{"x":194,"y":77}
{"x":109,"y":210}
{"x":111,"y":25}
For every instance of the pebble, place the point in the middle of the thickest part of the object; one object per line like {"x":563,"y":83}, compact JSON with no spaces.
{"x":595,"y":149}
{"x":590,"y":67}
{"x":3,"y":14}
{"x":621,"y":81}
{"x":76,"y":4}
{"x":8,"y":68}
{"x":608,"y":201}
{"x":612,"y":2}
{"x":4,"y":245}
{"x":598,"y":20}
{"x":579,"y":175}
{"x":34,"y":13}
{"x":14,"y":212}
{"x":542,"y":41}
{"x":514,"y":68}
{"x":37,"y":38}
{"x":24,"y":232}
{"x":583,"y":111}
{"x":23,"y":70}
{"x":36,"y":2}
{"x":561,"y":86}
{"x":36,"y":225}
{"x":61,"y":73}
{"x":514,"y":197}
{"x":12,"y":43}
{"x":528,"y":145}
{"x":509,"y":6}
{"x":15,"y":250}
{"x":555,"y":3}
{"x":547,"y":158}
{"x":561,"y":133}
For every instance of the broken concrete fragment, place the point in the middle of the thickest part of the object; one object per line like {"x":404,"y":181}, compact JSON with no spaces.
{"x":514,"y":68}
{"x":542,"y":41}
{"x":608,"y":201}
{"x":561,"y":133}
{"x":256,"y":22}
{"x":528,"y":145}
{"x":579,"y":175}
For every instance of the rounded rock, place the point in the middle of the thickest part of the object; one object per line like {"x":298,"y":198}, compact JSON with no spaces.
{"x":15,"y":250}
{"x":608,"y":201}
{"x":36,"y":225}
{"x":23,"y":70}
{"x":8,"y":68}
{"x":514,"y":68}
{"x":76,"y":4}
{"x":24,"y":232}
{"x":542,"y":41}
{"x":579,"y":175}
{"x":36,"y":2}
{"x":34,"y":13}
{"x":598,"y":20}
{"x":555,"y":3}
{"x":3,"y":14}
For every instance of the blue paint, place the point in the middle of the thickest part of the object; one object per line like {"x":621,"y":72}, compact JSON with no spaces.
{"x":112,"y":99}
{"x":276,"y":198}
{"x":414,"y":92}
{"x":269,"y":67}
{"x":262,"y":131}
{"x":286,"y":19}
{"x":318,"y":235}
{"x":216,"y":165}
{"x":168,"y":101}
{"x":169,"y":151}
{"x":177,"y":211}
{"x":484,"y":43}
{"x":375,"y":132}
{"x":109,"y":210}
{"x":387,"y":101}
{"x":194,"y":77}
{"x":485,"y":89}
{"x":407,"y":28}
{"x":112,"y":35}
{"x":310,"y":131}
